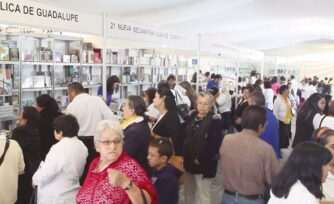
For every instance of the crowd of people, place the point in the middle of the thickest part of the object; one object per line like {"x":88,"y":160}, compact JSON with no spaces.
{"x":173,"y":139}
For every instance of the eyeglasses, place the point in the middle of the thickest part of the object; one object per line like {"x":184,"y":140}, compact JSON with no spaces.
{"x":109,"y":142}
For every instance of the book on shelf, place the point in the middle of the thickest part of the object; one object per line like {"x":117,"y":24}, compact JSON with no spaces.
{"x":90,"y":56}
{"x":12,"y":44}
{"x":84,"y":56}
{"x":67,"y":58}
{"x":27,"y":81}
{"x":14,"y":54}
{"x":48,"y":81}
{"x":49,"y":56}
{"x":27,"y":55}
{"x":58,"y":57}
{"x":4,"y":53}
{"x":74,"y":59}
{"x":28,"y":102}
{"x":36,"y":56}
{"x":39,"y":81}
{"x":43,"y":56}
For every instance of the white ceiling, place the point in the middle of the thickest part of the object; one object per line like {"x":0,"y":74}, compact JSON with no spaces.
{"x":285,"y":27}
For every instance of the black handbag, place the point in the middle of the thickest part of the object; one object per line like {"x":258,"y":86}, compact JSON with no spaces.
{"x":33,"y":198}
{"x":182,"y":109}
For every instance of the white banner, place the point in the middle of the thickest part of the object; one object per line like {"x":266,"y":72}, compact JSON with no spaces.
{"x":27,"y":13}
{"x":224,"y":49}
{"x":246,"y":53}
{"x":123,"y":30}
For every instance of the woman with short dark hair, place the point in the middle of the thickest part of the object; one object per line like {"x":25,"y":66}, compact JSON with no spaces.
{"x":112,"y":86}
{"x":28,"y":137}
{"x":49,"y":110}
{"x":136,"y":130}
{"x":283,"y":112}
{"x":58,"y":177}
{"x":301,"y":178}
{"x":152,"y":113}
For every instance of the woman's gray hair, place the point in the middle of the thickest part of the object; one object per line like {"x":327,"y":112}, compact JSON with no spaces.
{"x":207,"y":95}
{"x":109,"y":125}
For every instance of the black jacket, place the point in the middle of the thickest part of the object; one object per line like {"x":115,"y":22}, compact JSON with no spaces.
{"x":202,"y":143}
{"x":46,"y":131}
{"x":30,"y":143}
{"x":136,"y":140}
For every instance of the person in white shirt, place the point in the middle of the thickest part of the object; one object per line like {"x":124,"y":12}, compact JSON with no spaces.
{"x":320,"y":120}
{"x":58,"y":177}
{"x":223,"y":105}
{"x":300,"y":180}
{"x":310,"y":89}
{"x":268,"y":93}
{"x":325,"y":137}
{"x":89,"y":111}
{"x":12,"y":165}
{"x":283,"y":112}
{"x":151,"y":112}
{"x":294,"y":84}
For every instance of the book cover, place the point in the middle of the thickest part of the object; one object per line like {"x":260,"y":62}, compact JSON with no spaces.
{"x":47,"y":81}
{"x":43,"y":56}
{"x":4,"y":53}
{"x":39,"y":81}
{"x":27,"y":81}
{"x":58,"y":56}
{"x":97,"y":58}
{"x":14,"y":54}
{"x":90,"y":57}
{"x":27,"y":55}
{"x":74,"y":59}
{"x":49,"y":56}
{"x":36,"y":55}
{"x":67,"y":58}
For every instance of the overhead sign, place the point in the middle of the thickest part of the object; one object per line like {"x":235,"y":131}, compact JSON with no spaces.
{"x":246,"y":53}
{"x":119,"y":29}
{"x":29,"y":13}
{"x":223,"y":49}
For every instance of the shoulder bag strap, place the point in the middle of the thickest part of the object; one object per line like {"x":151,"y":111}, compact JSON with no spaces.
{"x":5,"y":151}
{"x":143,"y":196}
{"x":177,"y":94}
{"x":322,"y":119}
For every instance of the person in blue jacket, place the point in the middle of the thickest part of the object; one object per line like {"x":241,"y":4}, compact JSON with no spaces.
{"x":165,"y":176}
{"x":271,"y":131}
{"x":215,"y":82}
{"x":112,"y":86}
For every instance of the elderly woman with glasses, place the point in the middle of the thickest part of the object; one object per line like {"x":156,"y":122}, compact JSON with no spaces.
{"x":114,"y":177}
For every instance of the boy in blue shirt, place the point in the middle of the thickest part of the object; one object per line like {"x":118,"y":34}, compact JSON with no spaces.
{"x":165,"y":176}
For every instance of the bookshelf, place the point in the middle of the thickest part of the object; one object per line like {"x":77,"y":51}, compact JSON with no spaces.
{"x":139,"y":69}
{"x":37,"y":64}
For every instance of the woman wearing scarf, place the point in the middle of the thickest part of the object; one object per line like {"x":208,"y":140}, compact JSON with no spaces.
{"x":136,"y":130}
{"x":283,"y":112}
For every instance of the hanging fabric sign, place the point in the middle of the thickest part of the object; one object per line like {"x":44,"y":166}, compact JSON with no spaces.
{"x":123,"y":30}
{"x":27,"y":13}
